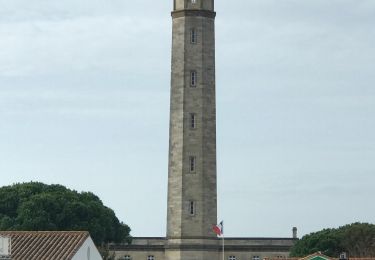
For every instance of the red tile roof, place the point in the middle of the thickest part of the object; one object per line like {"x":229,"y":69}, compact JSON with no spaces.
{"x":45,"y":245}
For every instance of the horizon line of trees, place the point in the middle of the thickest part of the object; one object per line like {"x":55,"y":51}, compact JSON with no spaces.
{"x":356,"y":239}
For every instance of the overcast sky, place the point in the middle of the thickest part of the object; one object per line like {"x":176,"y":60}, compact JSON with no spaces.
{"x":84,"y":102}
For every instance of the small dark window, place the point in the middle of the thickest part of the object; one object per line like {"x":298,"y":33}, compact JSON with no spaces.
{"x":192,"y":208}
{"x":192,"y":162}
{"x":150,"y":257}
{"x":193,"y":121}
{"x":193,"y":36}
{"x":193,"y":78}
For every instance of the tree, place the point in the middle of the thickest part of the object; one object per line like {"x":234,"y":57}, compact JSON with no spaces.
{"x":39,"y":207}
{"x":357,"y":239}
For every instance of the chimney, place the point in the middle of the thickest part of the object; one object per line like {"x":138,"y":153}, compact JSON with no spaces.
{"x":295,"y":233}
{"x":5,"y":248}
{"x":343,"y":256}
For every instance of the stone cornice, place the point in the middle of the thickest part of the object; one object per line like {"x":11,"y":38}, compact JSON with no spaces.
{"x":195,"y":237}
{"x":201,"y":247}
{"x":200,"y":13}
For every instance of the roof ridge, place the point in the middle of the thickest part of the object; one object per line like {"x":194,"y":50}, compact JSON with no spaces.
{"x":39,"y":245}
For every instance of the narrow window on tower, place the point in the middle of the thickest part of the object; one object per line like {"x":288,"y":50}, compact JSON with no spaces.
{"x":192,"y":208}
{"x":193,"y":2}
{"x":193,"y":36}
{"x":193,"y":121}
{"x":192,"y":162}
{"x":193,"y":78}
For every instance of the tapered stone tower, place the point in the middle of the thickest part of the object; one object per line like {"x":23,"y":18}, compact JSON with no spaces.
{"x":192,"y":198}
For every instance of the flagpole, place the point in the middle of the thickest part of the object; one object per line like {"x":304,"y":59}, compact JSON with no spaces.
{"x":222,"y":233}
{"x":219,"y":230}
{"x":223,"y":247}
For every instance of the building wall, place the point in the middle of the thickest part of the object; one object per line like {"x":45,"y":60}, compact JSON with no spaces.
{"x":191,"y":249}
{"x":198,"y":255}
{"x":196,"y":186}
{"x":250,"y":255}
{"x":241,"y":248}
{"x":140,"y":255}
{"x":87,"y":251}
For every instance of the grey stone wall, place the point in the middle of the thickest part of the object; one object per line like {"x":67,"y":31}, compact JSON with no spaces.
{"x":199,"y":4}
{"x":209,"y":249}
{"x":184,"y":185}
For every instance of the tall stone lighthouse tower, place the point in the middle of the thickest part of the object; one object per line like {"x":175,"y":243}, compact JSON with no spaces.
{"x":192,"y":196}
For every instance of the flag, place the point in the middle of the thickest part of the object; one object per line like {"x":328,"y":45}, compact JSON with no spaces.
{"x":219,"y":228}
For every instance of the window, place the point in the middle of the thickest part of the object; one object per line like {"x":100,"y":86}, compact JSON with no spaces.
{"x":127,"y":257}
{"x":193,"y":120}
{"x":193,"y":78}
{"x":192,"y":208}
{"x":193,"y":2}
{"x":256,"y":257}
{"x":150,"y":257}
{"x":192,"y":163}
{"x":193,"y":36}
{"x":232,"y":257}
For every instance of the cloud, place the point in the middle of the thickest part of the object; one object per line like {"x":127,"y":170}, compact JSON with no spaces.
{"x":70,"y":102}
{"x":301,"y":37}
{"x":85,"y":43}
{"x":51,"y":37}
{"x":294,"y":87}
{"x":37,"y":10}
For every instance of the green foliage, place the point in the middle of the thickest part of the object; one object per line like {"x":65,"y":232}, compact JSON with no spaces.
{"x":106,"y":253}
{"x":357,"y":239}
{"x":39,"y":207}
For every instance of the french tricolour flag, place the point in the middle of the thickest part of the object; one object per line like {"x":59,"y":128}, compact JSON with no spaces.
{"x":219,"y":228}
